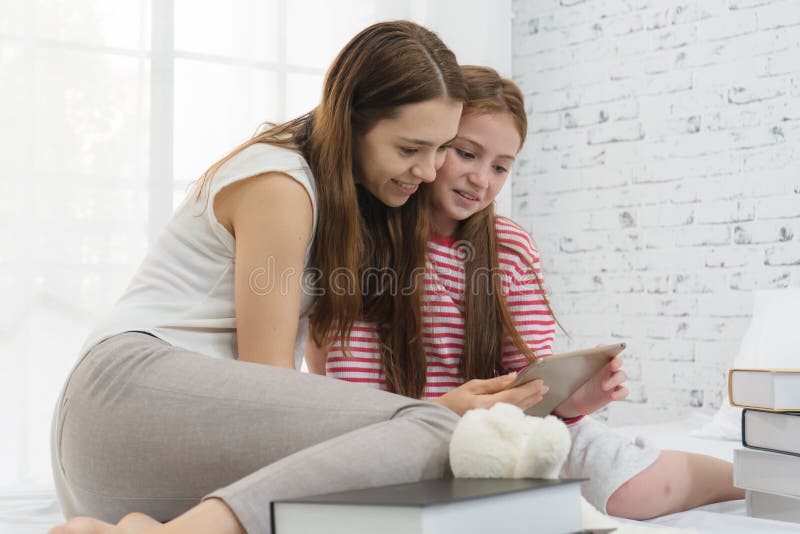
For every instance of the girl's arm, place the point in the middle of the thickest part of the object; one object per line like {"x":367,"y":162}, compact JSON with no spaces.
{"x":605,"y":387}
{"x":271,"y":218}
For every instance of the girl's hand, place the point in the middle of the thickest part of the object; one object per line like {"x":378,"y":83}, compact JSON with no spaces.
{"x":486,"y":393}
{"x":602,"y":389}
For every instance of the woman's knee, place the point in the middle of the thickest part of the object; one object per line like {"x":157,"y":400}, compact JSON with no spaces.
{"x":433,"y":416}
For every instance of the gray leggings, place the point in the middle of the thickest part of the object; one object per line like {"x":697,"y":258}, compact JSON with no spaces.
{"x":144,"y":426}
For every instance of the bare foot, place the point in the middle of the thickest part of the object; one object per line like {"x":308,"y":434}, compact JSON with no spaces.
{"x":137,"y":523}
{"x":86,"y":525}
{"x":211,"y":516}
{"x":134,"y":523}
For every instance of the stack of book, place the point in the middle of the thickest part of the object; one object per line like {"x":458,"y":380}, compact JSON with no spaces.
{"x":768,"y":468}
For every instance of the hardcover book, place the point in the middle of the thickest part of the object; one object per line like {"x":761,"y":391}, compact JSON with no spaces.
{"x":765,"y":389}
{"x":766,"y":471}
{"x":771,"y":431}
{"x":772,"y":506}
{"x":449,"y":506}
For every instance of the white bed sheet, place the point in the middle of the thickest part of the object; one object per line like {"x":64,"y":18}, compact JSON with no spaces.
{"x":34,"y":510}
{"x":721,"y":518}
{"x":28,"y":510}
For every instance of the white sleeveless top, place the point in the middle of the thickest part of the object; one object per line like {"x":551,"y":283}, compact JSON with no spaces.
{"x":183,"y":291}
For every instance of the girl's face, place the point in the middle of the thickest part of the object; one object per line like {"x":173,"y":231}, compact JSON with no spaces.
{"x":399,"y":153}
{"x":475,"y":170}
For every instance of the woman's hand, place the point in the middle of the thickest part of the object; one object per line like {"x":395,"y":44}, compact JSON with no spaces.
{"x":603,"y":388}
{"x":486,"y":393}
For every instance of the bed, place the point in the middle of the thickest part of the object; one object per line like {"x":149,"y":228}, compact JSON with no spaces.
{"x":33,"y":511}
{"x":721,"y":518}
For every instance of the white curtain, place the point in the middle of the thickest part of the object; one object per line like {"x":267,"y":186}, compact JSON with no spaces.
{"x":108,"y":110}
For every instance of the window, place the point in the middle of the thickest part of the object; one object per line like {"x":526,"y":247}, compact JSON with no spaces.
{"x":108,"y":111}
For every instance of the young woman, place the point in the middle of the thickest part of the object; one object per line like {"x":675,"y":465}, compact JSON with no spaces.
{"x":185,"y":404}
{"x":478,"y":325}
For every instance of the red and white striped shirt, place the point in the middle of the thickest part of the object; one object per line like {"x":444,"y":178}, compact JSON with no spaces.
{"x":443,"y":315}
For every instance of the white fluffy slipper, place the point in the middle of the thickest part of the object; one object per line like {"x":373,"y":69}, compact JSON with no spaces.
{"x":503,"y":442}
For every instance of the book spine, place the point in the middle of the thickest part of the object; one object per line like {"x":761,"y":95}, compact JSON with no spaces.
{"x":744,"y":427}
{"x":790,"y":411}
{"x":730,"y":387}
{"x":771,"y":450}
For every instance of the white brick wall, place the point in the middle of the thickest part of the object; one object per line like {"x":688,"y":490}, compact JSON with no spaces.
{"x":661,"y":178}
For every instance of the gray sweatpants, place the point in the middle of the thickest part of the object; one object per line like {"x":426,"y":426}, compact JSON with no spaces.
{"x":148,"y":427}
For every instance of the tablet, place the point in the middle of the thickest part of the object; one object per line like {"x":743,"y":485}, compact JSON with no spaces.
{"x":564,"y":373}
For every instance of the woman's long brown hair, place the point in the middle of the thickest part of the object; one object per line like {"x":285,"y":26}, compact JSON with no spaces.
{"x":385,"y":66}
{"x":488,"y":321}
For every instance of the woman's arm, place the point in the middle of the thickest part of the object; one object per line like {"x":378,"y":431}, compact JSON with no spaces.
{"x":479,"y":393}
{"x":316,"y":357}
{"x":271,"y":218}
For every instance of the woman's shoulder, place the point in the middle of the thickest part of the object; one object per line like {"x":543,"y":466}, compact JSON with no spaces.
{"x":245,"y":175}
{"x":265,"y":157}
{"x":261,"y":159}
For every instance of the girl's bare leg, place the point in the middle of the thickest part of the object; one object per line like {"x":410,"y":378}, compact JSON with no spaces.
{"x":209,"y":517}
{"x":677,"y":481}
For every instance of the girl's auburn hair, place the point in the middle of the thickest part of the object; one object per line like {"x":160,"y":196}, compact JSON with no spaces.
{"x":385,"y":66}
{"x":488,"y":321}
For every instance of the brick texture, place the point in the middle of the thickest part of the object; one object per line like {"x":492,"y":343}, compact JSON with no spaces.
{"x":661,"y":179}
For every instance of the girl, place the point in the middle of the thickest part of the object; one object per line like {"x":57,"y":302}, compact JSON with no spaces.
{"x":478,"y":325}
{"x":185,"y":402}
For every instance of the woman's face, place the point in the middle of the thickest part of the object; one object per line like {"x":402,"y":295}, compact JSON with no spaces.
{"x":399,"y":153}
{"x":475,"y":170}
